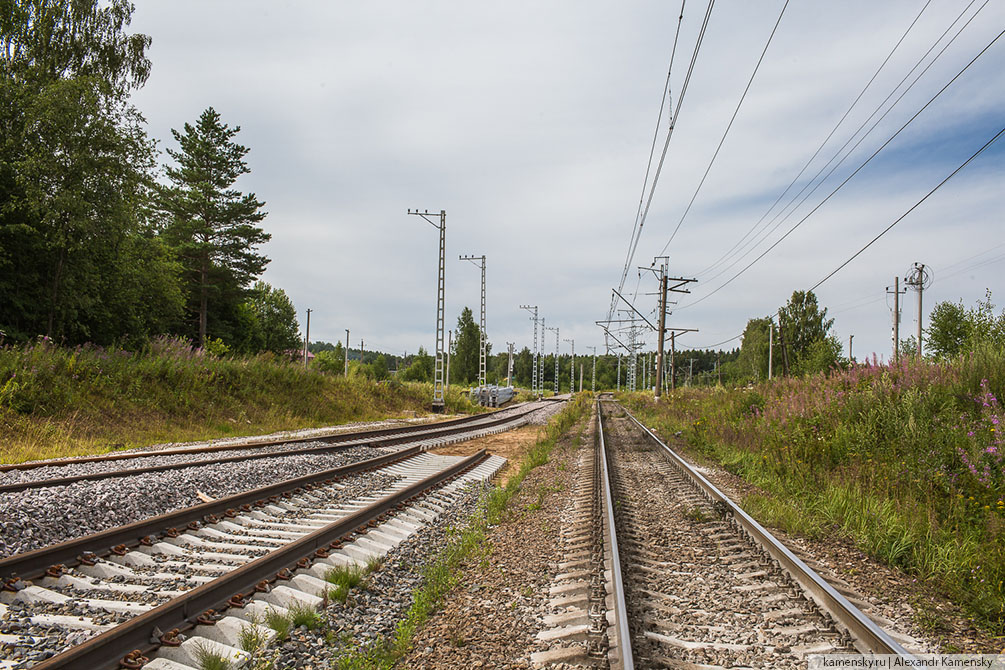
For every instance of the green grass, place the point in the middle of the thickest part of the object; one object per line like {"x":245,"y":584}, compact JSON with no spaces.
{"x":279,"y":622}
{"x":344,"y":578}
{"x":64,"y":402}
{"x":443,"y":572}
{"x":251,"y":638}
{"x":209,"y":660}
{"x":905,"y":461}
{"x":304,"y":615}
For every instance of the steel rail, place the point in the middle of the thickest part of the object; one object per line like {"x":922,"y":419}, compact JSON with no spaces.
{"x":867,"y":635}
{"x":620,"y":608}
{"x":337,"y":437}
{"x":33,"y":564}
{"x":414,"y":433}
{"x":104,"y":651}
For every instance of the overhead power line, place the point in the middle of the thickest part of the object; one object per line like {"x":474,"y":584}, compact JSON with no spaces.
{"x":852,"y":175}
{"x":728,"y":126}
{"x":636,"y":228}
{"x":911,"y":209}
{"x":666,"y":144}
{"x":815,"y":181}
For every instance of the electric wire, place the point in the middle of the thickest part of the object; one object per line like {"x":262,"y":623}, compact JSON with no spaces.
{"x":898,"y":220}
{"x":636,"y":228}
{"x":728,"y":127}
{"x":911,"y":209}
{"x":741,"y":245}
{"x":673,"y":124}
{"x":850,"y":176}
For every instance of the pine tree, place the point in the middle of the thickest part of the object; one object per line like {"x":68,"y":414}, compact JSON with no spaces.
{"x":211,"y":224}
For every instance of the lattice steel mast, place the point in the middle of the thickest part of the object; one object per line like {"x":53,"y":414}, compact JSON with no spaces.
{"x":438,"y":403}
{"x":480,"y":261}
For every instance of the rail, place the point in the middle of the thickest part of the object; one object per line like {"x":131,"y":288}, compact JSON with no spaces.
{"x":624,"y":641}
{"x":864,"y":631}
{"x":105,"y":651}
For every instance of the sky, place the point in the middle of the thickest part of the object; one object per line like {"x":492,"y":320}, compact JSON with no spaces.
{"x":531,"y":125}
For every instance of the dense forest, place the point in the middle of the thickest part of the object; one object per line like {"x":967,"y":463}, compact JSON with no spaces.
{"x":102,"y":239}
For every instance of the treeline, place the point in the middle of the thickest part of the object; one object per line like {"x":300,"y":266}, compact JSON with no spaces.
{"x":100,"y":241}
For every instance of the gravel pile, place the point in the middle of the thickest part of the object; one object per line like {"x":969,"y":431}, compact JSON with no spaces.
{"x":38,"y":518}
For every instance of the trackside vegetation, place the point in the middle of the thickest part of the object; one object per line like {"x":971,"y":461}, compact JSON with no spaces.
{"x":444,"y":571}
{"x":905,"y":460}
{"x":68,"y":401}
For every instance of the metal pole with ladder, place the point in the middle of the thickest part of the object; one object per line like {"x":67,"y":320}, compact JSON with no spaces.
{"x":533,"y":310}
{"x":438,"y":404}
{"x":480,"y":261}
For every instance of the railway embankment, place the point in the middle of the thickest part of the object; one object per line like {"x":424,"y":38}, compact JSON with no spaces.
{"x":57,"y":401}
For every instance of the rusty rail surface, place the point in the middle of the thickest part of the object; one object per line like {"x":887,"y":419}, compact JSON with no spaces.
{"x":105,"y":651}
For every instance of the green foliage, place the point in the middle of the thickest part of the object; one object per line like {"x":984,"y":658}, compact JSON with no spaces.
{"x":61,"y":401}
{"x":467,"y":345}
{"x":905,"y":460}
{"x":330,"y":362}
{"x":77,"y":259}
{"x":212,"y":225}
{"x":274,"y":319}
{"x":344,"y":579}
{"x":378,"y":368}
{"x":279,"y":622}
{"x":421,"y":368}
{"x":210,"y":660}
{"x":302,"y":614}
{"x":216,"y":347}
{"x":954,"y":330}
{"x":753,"y":360}
{"x":803,"y":322}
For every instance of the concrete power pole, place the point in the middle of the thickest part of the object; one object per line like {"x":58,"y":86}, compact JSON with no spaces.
{"x":619,"y":371}
{"x":593,"y":387}
{"x":850,"y":338}
{"x":771,"y":346}
{"x":896,"y":316}
{"x":920,"y":279}
{"x":480,"y":261}
{"x":438,"y":404}
{"x":572,"y":367}
{"x":509,"y":367}
{"x":533,"y":388}
{"x":346,"y":352}
{"x":307,"y":336}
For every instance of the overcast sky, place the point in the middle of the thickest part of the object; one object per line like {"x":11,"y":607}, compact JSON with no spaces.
{"x":531,"y":123}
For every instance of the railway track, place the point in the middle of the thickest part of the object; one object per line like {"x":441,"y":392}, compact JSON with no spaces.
{"x":171,"y":586}
{"x":691,"y":580}
{"x":169,"y":597}
{"x":63,"y":472}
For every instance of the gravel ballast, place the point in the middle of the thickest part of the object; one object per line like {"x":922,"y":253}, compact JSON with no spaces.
{"x":40,"y":517}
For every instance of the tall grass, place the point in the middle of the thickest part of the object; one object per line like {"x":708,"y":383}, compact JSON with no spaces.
{"x":906,"y":460}
{"x":56,"y":401}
